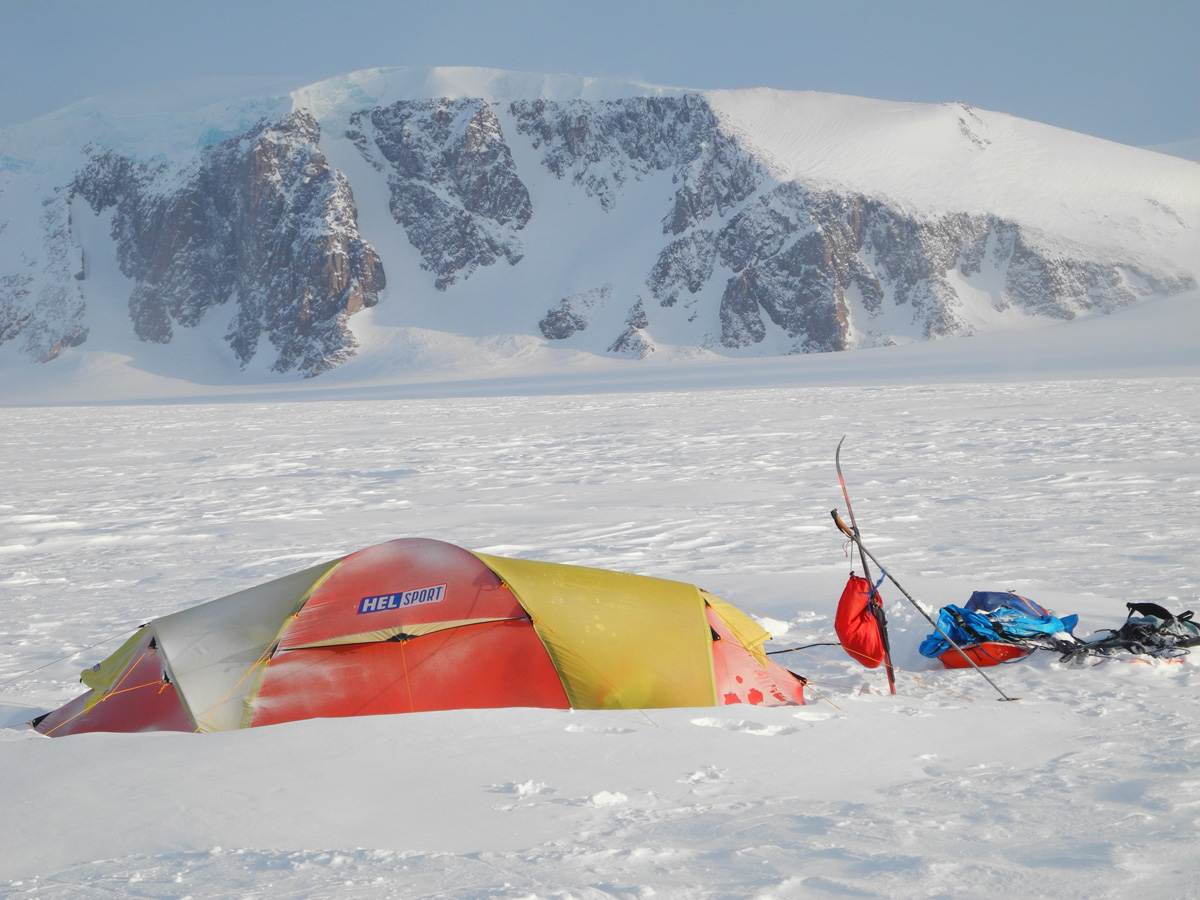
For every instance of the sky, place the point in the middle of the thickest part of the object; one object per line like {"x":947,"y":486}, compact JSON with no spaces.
{"x":1125,"y":70}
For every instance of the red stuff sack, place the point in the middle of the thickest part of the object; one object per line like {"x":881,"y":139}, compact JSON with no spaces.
{"x":856,"y":626}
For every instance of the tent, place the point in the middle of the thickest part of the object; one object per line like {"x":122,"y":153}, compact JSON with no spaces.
{"x":417,"y":624}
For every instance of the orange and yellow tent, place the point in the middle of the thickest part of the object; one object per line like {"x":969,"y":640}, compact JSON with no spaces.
{"x":417,"y":624}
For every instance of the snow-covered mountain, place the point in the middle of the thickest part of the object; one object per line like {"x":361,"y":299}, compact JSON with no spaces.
{"x":382,"y":220}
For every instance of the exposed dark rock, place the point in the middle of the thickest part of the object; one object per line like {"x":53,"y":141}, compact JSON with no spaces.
{"x":632,"y":342}
{"x":797,"y":252}
{"x":716,"y":181}
{"x":13,"y":314}
{"x":261,"y":218}
{"x":49,"y":324}
{"x":570,"y":315}
{"x":601,"y":145}
{"x":1050,"y":282}
{"x":453,"y":183}
{"x":741,"y":320}
{"x":562,"y":322}
{"x":686,"y":263}
{"x":42,"y":305}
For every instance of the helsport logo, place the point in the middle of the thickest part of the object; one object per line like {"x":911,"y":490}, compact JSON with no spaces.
{"x":418,"y":597}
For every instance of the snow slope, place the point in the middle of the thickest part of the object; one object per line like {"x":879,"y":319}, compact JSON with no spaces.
{"x":1065,"y":469}
{"x":952,"y":156}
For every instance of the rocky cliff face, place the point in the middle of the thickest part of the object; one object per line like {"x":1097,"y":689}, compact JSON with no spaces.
{"x":259,"y":219}
{"x":454,"y":187}
{"x":260,"y":230}
{"x":601,"y":146}
{"x":795,"y":252}
{"x":790,"y":253}
{"x":41,"y":307}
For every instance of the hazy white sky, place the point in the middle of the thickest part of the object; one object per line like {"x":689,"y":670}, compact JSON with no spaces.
{"x":1127,"y":70}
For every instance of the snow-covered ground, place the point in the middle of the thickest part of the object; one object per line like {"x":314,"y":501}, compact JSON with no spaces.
{"x":1062,"y":463}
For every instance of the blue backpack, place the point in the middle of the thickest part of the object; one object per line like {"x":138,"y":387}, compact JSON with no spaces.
{"x":999,"y":617}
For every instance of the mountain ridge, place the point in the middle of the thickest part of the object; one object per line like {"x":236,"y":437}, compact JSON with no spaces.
{"x":605,"y":217}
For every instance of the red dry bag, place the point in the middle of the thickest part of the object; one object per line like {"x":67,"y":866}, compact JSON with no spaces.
{"x":856,"y":626}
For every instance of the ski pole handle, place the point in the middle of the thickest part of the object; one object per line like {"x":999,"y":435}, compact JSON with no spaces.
{"x":837,"y":520}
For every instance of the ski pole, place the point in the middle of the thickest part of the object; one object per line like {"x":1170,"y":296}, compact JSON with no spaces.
{"x":867,"y":553}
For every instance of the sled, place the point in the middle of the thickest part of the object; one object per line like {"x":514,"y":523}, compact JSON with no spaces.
{"x":985,"y":653}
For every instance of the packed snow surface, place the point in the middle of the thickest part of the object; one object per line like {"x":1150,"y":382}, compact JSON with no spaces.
{"x":1063,"y":468}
